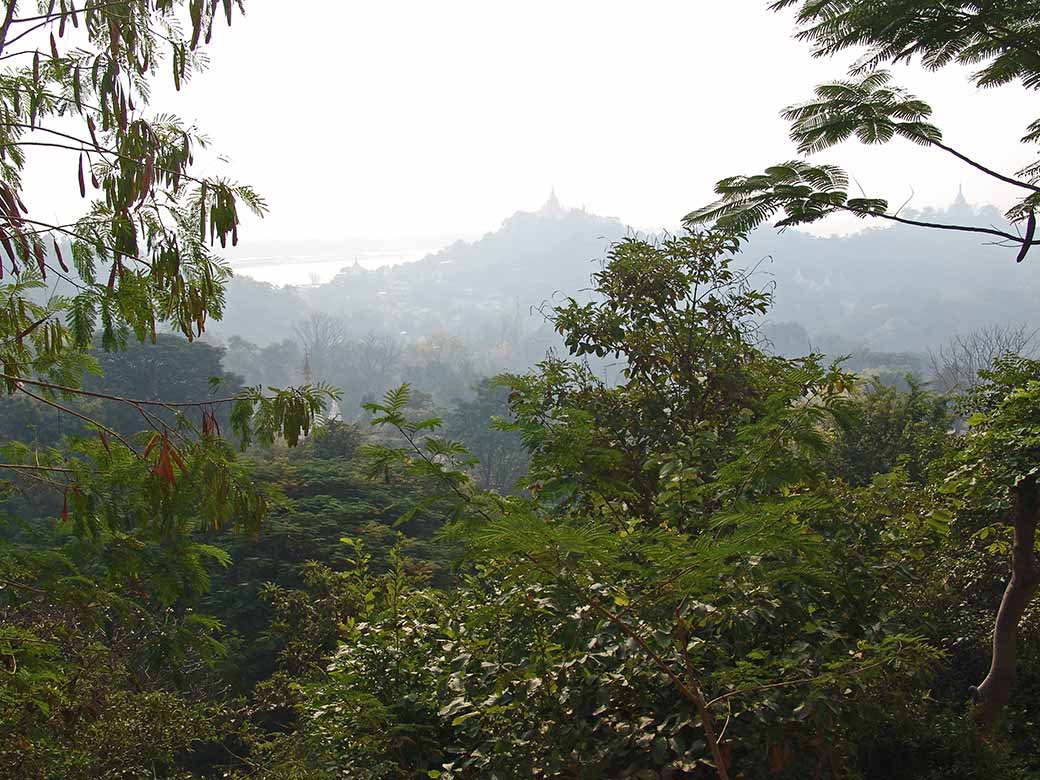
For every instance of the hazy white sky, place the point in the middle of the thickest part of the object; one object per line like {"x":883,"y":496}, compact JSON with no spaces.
{"x":404,"y":118}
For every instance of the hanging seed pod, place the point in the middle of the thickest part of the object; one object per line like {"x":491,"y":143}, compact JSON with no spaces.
{"x":5,"y":241}
{"x":1027,"y":241}
{"x":93,"y":136}
{"x":37,"y":247}
{"x":149,"y":176}
{"x":57,"y":253}
{"x":113,"y":41}
{"x":202,"y":214}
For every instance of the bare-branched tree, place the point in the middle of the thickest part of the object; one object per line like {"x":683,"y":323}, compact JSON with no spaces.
{"x":320,"y":332}
{"x":320,"y":335}
{"x":955,"y":366}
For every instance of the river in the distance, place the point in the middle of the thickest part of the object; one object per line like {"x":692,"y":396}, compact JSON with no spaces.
{"x":318,"y":267}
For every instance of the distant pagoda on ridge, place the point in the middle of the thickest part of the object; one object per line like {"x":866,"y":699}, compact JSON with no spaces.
{"x":552,"y":207}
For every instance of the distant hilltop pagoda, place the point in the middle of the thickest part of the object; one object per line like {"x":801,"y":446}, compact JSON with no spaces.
{"x":960,"y":208}
{"x":552,"y":207}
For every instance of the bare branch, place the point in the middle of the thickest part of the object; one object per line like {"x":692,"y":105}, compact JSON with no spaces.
{"x":988,"y":171}
{"x":8,"y":20}
{"x":85,"y":418}
{"x":940,"y":226}
{"x":955,"y":365}
{"x":31,"y":467}
{"x":108,"y":397}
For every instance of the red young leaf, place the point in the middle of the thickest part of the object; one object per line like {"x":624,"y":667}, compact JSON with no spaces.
{"x":177,"y":458}
{"x":164,"y":467}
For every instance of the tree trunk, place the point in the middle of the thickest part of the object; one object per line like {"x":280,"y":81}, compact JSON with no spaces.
{"x":993,"y":693}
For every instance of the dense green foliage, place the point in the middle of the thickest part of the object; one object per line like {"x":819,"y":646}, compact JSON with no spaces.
{"x":726,"y":563}
{"x":109,"y":499}
{"x":781,"y":557}
{"x":716,"y":574}
{"x":1002,"y":39}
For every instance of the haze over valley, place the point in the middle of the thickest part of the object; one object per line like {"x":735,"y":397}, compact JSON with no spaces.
{"x":885,"y":295}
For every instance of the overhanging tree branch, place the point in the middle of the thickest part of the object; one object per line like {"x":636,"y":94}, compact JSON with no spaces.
{"x":32,"y":467}
{"x":940,"y":226}
{"x":988,"y":171}
{"x":87,"y":146}
{"x":131,"y":401}
{"x":56,"y":16}
{"x":8,"y":21}
{"x":89,"y":420}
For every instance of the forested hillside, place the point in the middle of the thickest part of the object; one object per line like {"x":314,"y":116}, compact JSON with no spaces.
{"x":475,"y":660}
{"x":887,"y":290}
{"x":888,"y":297}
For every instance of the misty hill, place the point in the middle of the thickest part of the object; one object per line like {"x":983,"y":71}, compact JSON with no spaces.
{"x":898,"y":289}
{"x":531,"y":257}
{"x":484,"y":293}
